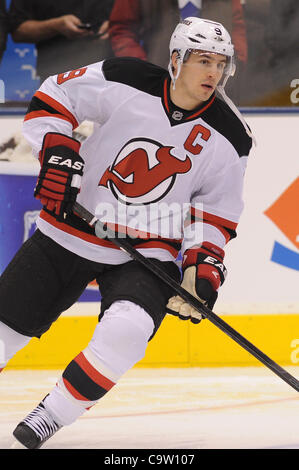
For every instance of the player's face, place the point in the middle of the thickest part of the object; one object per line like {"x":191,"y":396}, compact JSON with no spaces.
{"x":198,"y":78}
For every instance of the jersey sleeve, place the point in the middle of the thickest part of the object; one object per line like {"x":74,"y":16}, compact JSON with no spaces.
{"x":216,"y":208}
{"x":64,"y":101}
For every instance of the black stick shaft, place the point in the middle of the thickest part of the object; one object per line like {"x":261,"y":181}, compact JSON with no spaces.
{"x":205,"y":311}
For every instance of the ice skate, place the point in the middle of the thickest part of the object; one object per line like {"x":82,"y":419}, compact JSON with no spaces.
{"x":36,"y":428}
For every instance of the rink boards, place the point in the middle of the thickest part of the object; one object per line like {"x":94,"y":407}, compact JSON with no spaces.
{"x":177,"y":343}
{"x":260,"y":296}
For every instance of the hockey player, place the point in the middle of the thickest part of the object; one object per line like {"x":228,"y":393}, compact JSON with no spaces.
{"x":161,"y":140}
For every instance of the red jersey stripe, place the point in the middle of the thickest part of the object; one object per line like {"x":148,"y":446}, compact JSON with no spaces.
{"x":206,"y":216}
{"x":42,"y":113}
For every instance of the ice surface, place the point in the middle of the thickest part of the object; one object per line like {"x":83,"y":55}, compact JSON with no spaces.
{"x":192,"y":408}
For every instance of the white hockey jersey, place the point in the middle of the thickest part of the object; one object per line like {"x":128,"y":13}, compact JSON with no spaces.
{"x":164,"y":177}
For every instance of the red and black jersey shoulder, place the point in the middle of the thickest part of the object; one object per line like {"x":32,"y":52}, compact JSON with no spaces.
{"x":136,"y":73}
{"x":222,"y":118}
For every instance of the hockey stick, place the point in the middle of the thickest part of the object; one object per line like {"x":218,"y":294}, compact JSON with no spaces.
{"x":103,"y":232}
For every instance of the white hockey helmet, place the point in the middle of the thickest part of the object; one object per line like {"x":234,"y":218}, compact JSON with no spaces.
{"x":197,"y":33}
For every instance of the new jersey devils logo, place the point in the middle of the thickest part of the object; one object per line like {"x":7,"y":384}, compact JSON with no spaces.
{"x":143,"y":172}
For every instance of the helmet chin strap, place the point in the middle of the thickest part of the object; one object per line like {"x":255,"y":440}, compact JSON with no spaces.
{"x":172,"y":76}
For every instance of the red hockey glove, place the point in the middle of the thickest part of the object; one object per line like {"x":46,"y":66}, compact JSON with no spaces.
{"x":203,"y":274}
{"x":59,"y":179}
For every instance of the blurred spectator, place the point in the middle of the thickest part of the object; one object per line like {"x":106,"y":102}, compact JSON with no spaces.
{"x":68,"y":34}
{"x":142,"y":28}
{"x":3,"y":27}
{"x":257,"y":82}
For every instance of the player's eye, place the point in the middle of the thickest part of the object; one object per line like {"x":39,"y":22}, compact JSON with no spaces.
{"x":204,"y":61}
